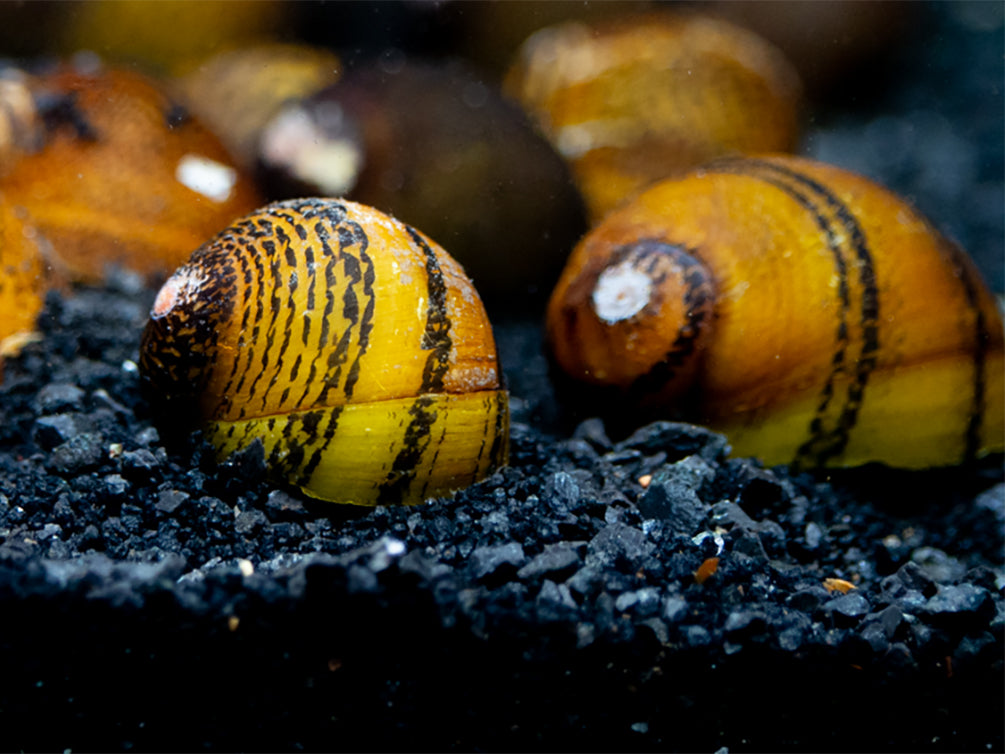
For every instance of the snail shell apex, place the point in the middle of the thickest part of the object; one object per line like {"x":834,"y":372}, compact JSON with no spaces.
{"x":833,"y":325}
{"x":630,"y":296}
{"x":348,"y":343}
{"x":20,"y":123}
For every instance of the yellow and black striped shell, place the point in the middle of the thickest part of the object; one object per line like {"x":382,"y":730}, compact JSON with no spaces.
{"x":349,"y":344}
{"x":809,"y":314}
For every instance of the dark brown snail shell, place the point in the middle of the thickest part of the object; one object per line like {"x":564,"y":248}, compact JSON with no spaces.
{"x":440,"y":149}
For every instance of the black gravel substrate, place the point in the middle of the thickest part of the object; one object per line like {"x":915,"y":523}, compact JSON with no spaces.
{"x":150,"y":600}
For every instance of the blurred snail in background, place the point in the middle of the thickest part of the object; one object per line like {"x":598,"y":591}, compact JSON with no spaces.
{"x":810,"y":315}
{"x":440,"y":149}
{"x":123,"y":176}
{"x":22,"y":283}
{"x":235,"y":93}
{"x":346,"y":343}
{"x":633,"y":100}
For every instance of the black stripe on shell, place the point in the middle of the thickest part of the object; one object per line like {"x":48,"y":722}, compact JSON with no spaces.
{"x":964,"y":272}
{"x":436,"y":336}
{"x":828,"y":442}
{"x":436,"y":340}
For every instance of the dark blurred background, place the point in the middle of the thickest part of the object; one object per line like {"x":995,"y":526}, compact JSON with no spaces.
{"x":909,"y":94}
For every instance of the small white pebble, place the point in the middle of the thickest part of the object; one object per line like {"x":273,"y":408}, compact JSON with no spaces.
{"x":394,"y":547}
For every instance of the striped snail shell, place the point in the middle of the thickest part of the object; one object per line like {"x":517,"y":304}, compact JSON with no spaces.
{"x":809,"y":314}
{"x":349,"y":344}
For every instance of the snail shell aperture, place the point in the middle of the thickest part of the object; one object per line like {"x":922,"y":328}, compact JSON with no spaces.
{"x":349,"y":344}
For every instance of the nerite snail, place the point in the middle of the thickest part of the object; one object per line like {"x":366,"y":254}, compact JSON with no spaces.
{"x":167,"y":37}
{"x":349,"y":344}
{"x":440,"y":148}
{"x":123,"y":176}
{"x":809,"y":314}
{"x":632,"y":100}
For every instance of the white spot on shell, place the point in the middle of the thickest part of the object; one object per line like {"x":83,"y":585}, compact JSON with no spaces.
{"x":212,"y":179}
{"x":621,"y":292}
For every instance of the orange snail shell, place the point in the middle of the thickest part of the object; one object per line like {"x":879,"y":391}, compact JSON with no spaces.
{"x":809,"y":314}
{"x":124,"y":177}
{"x":632,"y":100}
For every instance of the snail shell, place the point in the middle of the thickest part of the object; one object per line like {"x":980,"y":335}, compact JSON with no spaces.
{"x":349,"y":344}
{"x":438,"y":147}
{"x":809,"y":314}
{"x":124,"y":177}
{"x":633,"y":100}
